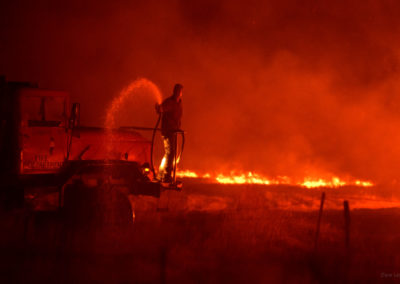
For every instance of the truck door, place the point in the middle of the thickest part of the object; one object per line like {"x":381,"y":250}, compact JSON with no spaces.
{"x":43,"y":133}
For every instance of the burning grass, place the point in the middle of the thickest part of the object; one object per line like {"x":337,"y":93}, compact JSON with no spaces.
{"x":254,"y":178}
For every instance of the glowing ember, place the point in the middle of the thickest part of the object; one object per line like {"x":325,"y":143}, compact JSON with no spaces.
{"x":253,"y":178}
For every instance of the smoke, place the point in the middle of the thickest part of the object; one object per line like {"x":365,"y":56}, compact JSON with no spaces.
{"x":281,"y":88}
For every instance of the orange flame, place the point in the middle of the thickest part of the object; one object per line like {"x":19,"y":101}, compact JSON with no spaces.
{"x":190,"y":174}
{"x":254,"y":178}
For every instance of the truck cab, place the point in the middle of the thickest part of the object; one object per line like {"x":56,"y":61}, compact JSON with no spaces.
{"x":43,"y":130}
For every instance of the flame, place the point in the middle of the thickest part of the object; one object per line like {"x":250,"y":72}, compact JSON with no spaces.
{"x":250,"y":178}
{"x":254,"y":178}
{"x":313,"y":183}
{"x":187,"y":173}
{"x":191,"y":174}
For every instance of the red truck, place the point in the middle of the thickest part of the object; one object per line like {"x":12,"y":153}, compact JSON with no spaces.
{"x":46,"y":152}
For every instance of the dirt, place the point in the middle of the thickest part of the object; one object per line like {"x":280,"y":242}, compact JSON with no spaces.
{"x":213,"y":234}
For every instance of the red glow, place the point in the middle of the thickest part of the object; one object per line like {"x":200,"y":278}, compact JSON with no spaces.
{"x":253,"y":178}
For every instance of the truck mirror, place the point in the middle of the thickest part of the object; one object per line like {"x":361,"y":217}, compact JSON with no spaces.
{"x":74,"y":120}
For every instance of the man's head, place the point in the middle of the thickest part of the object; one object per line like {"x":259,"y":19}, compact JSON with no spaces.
{"x":177,"y":91}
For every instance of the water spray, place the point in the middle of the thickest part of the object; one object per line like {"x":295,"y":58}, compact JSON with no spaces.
{"x":120,"y":100}
{"x":141,"y":83}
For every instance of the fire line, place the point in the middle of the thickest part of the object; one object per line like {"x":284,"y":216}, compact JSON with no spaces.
{"x":254,"y":178}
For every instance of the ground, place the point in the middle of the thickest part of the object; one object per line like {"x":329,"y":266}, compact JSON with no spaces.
{"x":212,"y":233}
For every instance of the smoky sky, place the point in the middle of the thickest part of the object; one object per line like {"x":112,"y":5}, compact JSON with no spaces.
{"x":278,"y":87}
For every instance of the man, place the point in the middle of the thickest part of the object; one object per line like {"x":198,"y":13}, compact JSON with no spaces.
{"x":171,"y":114}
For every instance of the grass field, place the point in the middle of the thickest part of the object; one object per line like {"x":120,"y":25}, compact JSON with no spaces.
{"x":212,"y":233}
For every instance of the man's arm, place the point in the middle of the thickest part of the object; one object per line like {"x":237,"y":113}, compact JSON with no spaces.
{"x":166,"y":106}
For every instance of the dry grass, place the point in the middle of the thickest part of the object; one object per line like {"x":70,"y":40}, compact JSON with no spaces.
{"x":223,"y":235}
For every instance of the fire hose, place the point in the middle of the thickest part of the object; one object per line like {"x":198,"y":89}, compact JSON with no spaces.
{"x":152,"y":145}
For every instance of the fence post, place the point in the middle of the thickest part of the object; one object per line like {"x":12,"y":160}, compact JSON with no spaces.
{"x":163,"y":265}
{"x":347,"y":224}
{"x":321,"y":208}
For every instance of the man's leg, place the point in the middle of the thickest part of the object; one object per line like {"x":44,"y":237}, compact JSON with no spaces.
{"x":163,"y":165}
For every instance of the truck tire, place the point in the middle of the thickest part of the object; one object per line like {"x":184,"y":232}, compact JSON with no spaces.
{"x":96,"y":207}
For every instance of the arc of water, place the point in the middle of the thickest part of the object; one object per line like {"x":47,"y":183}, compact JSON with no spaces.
{"x":119,"y":101}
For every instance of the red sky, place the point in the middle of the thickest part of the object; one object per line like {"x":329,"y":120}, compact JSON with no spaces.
{"x":287,"y":88}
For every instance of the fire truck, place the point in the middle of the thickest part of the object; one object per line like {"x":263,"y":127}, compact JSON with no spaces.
{"x":45,"y":151}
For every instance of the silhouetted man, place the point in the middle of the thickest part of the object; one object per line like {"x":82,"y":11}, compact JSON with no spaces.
{"x":171,"y":114}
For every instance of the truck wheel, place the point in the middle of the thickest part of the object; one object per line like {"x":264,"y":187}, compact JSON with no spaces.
{"x":11,"y":198}
{"x":96,"y":207}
